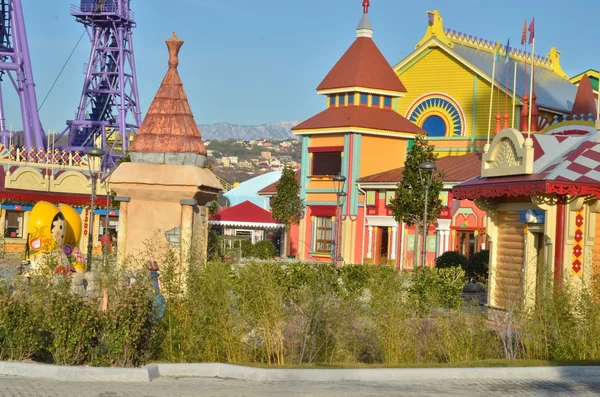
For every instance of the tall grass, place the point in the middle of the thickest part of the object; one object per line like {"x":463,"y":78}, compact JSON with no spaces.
{"x":276,"y":314}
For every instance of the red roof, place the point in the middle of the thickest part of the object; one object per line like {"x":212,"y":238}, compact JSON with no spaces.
{"x":585,"y":103}
{"x":454,"y":169}
{"x":360,"y":116}
{"x":246,"y":212}
{"x":272,"y":188}
{"x":363,"y":65}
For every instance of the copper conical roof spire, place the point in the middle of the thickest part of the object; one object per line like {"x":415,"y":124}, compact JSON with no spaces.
{"x":169,"y":125}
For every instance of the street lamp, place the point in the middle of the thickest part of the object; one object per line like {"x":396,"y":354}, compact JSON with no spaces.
{"x":426,"y":170}
{"x":338,"y":184}
{"x":95,"y":156}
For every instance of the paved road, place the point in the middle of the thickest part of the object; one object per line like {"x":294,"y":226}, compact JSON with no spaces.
{"x":23,"y":387}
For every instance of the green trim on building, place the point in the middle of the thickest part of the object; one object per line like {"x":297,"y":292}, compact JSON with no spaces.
{"x":474,"y":112}
{"x":356,"y":160}
{"x":305,"y":163}
{"x":414,"y":61}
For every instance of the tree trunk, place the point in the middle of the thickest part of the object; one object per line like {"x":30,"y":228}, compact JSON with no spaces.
{"x":416,"y":250}
{"x":285,"y":242}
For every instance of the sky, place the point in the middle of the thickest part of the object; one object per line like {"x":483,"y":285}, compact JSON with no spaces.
{"x":252,"y":62}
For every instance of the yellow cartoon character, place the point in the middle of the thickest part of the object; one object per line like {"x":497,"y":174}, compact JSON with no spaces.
{"x":72,"y":237}
{"x":53,"y":235}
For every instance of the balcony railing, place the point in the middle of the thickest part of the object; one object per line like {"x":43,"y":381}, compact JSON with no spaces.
{"x":43,"y":157}
{"x":100,"y":9}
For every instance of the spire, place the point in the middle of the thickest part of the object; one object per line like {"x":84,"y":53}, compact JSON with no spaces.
{"x":169,"y":130}
{"x":365,"y":29}
{"x":585,"y":103}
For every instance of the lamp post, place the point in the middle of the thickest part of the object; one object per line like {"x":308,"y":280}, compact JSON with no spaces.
{"x":426,"y":170}
{"x":338,"y":184}
{"x":95,"y":156}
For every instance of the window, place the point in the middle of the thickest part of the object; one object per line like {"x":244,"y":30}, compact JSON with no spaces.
{"x":323,"y":234}
{"x":375,"y":100}
{"x":13,"y":224}
{"x":350,"y":99}
{"x":113,"y":227}
{"x":327,"y":163}
{"x":364,"y":99}
{"x":332,"y":100}
{"x":342,"y":100}
{"x":387,"y":102}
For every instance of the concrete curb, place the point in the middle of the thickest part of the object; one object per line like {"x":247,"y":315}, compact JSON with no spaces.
{"x":229,"y":371}
{"x":80,"y":374}
{"x":371,"y":374}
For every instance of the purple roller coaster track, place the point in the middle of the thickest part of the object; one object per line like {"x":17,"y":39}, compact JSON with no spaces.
{"x":15,"y":65}
{"x":109,"y":113}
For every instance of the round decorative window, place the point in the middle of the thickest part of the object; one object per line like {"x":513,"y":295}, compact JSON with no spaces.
{"x":439,"y":115}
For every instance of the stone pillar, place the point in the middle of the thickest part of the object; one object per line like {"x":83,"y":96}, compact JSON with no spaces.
{"x":394,"y":238}
{"x":443,"y":232}
{"x":122,"y":232}
{"x":370,"y":243}
{"x":187,"y":232}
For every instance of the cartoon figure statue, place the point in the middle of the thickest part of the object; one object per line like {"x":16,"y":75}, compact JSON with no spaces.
{"x":52,"y":238}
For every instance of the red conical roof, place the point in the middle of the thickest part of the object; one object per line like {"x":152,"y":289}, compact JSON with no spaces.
{"x":585,"y":102}
{"x":363,"y":65}
{"x":169,"y":125}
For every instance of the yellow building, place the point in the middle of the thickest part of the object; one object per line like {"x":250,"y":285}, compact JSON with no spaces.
{"x":448,"y":78}
{"x":59,"y":176}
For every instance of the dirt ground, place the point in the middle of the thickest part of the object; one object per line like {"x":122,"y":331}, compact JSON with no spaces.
{"x":9,"y":265}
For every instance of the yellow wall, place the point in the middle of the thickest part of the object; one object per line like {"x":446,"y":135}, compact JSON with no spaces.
{"x":380,"y":153}
{"x":439,"y":72}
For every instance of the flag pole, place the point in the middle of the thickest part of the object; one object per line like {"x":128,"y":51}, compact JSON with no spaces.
{"x":531,"y":87}
{"x":492,"y":97}
{"x":598,"y":110}
{"x":514,"y":98}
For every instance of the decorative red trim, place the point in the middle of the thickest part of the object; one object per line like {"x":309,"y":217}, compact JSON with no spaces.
{"x":52,"y":198}
{"x":322,"y":210}
{"x":322,"y":149}
{"x":523,"y":189}
{"x":511,"y":190}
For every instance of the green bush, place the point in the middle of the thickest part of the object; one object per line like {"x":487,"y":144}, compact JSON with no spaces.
{"x":451,"y":259}
{"x":265,"y":249}
{"x":247,"y":248}
{"x":433,"y":288}
{"x":478,"y":265}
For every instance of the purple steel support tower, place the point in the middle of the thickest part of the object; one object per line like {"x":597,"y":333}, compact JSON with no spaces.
{"x":109,"y":109}
{"x":15,"y":66}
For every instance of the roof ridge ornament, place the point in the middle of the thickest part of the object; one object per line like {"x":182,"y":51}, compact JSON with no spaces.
{"x":365,"y":29}
{"x":174,"y":44}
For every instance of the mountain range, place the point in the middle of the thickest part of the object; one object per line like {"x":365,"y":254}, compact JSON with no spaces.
{"x":224,"y":131}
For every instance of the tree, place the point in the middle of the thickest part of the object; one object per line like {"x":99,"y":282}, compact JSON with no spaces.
{"x":286,"y":205}
{"x":409,"y":203}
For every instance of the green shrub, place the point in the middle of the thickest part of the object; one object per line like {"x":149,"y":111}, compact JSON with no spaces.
{"x":247,"y":248}
{"x":20,"y":334}
{"x":265,"y":249}
{"x":478,"y":265}
{"x":432,"y":288}
{"x":451,"y":259}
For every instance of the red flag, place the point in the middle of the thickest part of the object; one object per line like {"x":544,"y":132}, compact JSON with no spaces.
{"x":524,"y":36}
{"x":531,"y":30}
